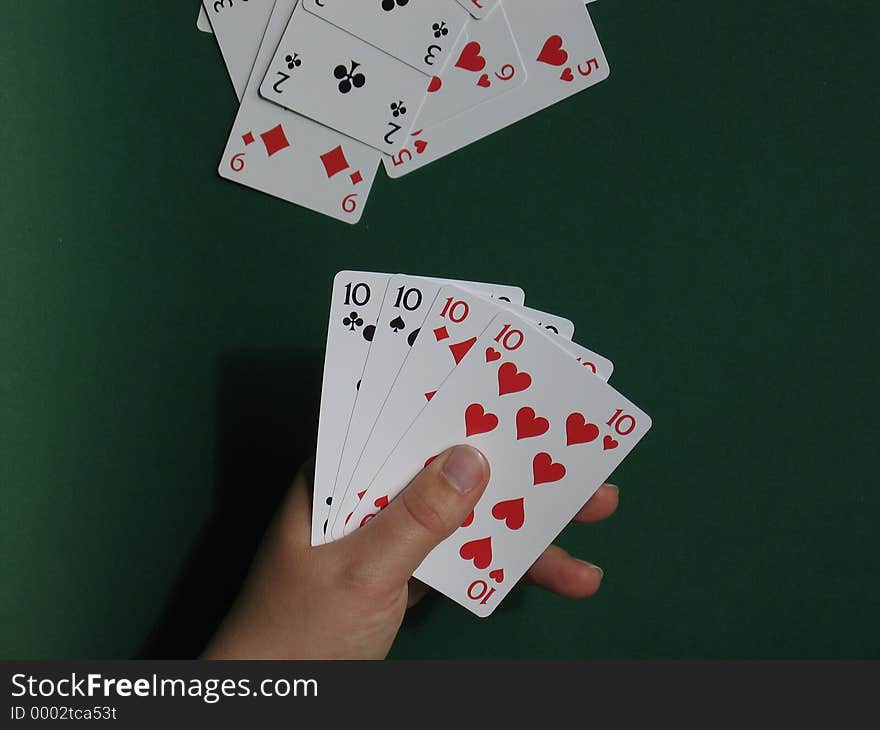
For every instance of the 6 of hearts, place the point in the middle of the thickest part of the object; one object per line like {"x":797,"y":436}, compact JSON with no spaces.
{"x":330,"y":89}
{"x":415,"y":365}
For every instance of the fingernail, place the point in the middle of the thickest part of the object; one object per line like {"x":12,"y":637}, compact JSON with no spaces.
{"x":464,"y":468}
{"x":594,"y":567}
{"x":614,"y":487}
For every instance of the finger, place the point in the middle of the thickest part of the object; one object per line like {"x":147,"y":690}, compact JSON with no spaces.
{"x":436,"y":502}
{"x":564,"y":575}
{"x":600,"y":506}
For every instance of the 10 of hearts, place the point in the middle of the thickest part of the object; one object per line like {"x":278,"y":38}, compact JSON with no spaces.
{"x":415,"y":365}
{"x":329,"y":90}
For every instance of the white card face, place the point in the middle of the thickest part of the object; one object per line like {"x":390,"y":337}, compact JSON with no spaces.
{"x":239,"y":28}
{"x":354,"y":309}
{"x":552,"y":435}
{"x":562,"y":56}
{"x":202,"y":22}
{"x":421,"y":34}
{"x":293,"y":158}
{"x":478,"y":8}
{"x":408,"y":300}
{"x":484,"y":65}
{"x":343,"y":82}
{"x":456,"y":321}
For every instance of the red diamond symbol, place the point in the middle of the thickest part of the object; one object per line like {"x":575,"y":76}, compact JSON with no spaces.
{"x":356,"y":177}
{"x":441,"y":333}
{"x":334,"y":161}
{"x":248,"y":139}
{"x":275,"y":140}
{"x":430,"y":395}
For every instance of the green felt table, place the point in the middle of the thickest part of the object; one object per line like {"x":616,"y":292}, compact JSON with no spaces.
{"x":708,"y":217}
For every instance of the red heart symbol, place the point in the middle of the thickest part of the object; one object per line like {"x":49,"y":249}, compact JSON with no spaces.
{"x":420,"y":146}
{"x":469,"y":520}
{"x":553,"y":53}
{"x":460,"y":349}
{"x":567,"y":75}
{"x":492,"y":354}
{"x":361,"y":494}
{"x":470,"y":58}
{"x":484,"y":81}
{"x":381,"y":503}
{"x":430,"y":395}
{"x":528,"y":425}
{"x":480,"y":551}
{"x":477,"y":421}
{"x":579,"y":431}
{"x":512,"y":512}
{"x":428,"y":461}
{"x":609,"y":443}
{"x":435,"y":85}
{"x":545,"y":470}
{"x":510,"y":380}
{"x":497,"y":575}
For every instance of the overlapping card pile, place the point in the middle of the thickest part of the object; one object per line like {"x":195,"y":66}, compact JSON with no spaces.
{"x":329,"y":89}
{"x":415,"y":365}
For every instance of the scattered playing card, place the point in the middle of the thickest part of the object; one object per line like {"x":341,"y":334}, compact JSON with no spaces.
{"x":293,"y":158}
{"x":420,"y":34}
{"x":339,"y":80}
{"x":562,"y":55}
{"x":239,"y":29}
{"x":202,"y":22}
{"x":478,"y":8}
{"x":484,"y":65}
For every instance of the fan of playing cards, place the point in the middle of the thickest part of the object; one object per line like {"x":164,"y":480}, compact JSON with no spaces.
{"x":331,"y":88}
{"x":416,"y":365}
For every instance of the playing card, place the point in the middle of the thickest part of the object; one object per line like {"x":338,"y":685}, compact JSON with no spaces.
{"x":552,"y":435}
{"x":354,"y":310}
{"x":450,"y":331}
{"x":202,"y":22}
{"x":239,"y":28}
{"x":484,"y":65}
{"x":293,"y":158}
{"x":339,"y":80}
{"x":418,"y":33}
{"x":408,"y":299}
{"x":562,"y":56}
{"x":478,"y":8}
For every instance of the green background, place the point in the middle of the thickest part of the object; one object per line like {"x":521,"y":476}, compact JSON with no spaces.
{"x":708,"y":217}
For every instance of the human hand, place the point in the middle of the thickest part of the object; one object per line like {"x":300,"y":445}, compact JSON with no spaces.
{"x":347,"y":599}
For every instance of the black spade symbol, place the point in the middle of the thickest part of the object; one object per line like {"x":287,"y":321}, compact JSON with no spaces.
{"x":398,"y":324}
{"x":412,"y":337}
{"x":369,"y":332}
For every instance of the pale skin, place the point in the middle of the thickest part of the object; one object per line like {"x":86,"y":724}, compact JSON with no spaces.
{"x":347,"y":599}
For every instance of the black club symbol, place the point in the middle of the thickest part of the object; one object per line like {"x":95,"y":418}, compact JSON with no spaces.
{"x":348,"y":79}
{"x":293,"y":61}
{"x":389,"y":5}
{"x":440,"y":29}
{"x":352,"y":321}
{"x":398,"y":109}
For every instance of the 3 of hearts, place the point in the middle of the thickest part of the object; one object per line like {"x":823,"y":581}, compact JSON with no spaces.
{"x":329,"y":90}
{"x":415,"y":365}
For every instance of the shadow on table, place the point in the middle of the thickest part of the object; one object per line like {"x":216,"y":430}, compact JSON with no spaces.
{"x":267,"y":417}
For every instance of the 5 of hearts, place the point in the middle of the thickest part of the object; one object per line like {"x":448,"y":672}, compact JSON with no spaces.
{"x":415,"y":365}
{"x":330,"y":90}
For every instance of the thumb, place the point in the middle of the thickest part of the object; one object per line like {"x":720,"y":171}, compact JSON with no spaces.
{"x":429,"y":510}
